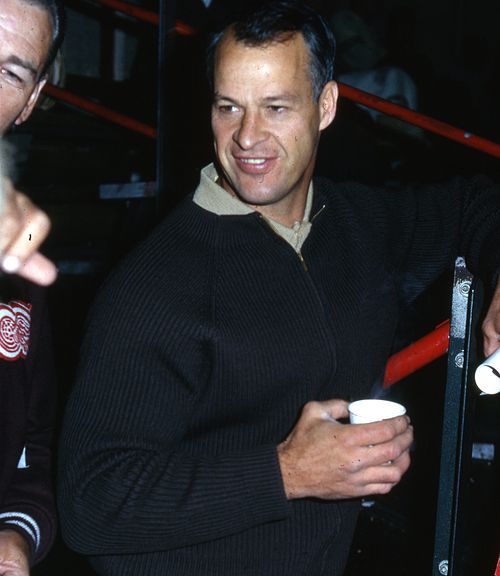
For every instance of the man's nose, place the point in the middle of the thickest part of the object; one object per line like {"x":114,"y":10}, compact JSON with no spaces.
{"x":250,"y":132}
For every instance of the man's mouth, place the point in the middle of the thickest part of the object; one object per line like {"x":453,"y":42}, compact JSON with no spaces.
{"x":254,"y":165}
{"x":252,"y":160}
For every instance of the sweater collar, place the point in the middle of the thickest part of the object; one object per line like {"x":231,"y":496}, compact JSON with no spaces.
{"x":212,"y":197}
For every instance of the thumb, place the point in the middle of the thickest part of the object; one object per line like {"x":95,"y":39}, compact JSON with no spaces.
{"x":335,"y":409}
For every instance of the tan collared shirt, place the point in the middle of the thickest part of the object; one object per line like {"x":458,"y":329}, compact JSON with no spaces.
{"x":212,"y":197}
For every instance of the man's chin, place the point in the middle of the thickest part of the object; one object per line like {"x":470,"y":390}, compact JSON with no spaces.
{"x":260,"y":197}
{"x":249,"y":189}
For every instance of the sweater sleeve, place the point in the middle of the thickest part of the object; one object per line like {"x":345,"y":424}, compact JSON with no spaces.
{"x":28,"y":505}
{"x":133,"y":475}
{"x":439,"y":223}
{"x":480,"y":241}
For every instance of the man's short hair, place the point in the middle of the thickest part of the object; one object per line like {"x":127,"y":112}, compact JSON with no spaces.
{"x":275,"y":21}
{"x":57,"y":17}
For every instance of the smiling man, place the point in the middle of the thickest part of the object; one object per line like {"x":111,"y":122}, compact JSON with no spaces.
{"x":30,"y":35}
{"x":206,"y":433}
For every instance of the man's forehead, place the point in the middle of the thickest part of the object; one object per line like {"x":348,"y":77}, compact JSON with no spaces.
{"x":26,"y":34}
{"x":283,"y":60}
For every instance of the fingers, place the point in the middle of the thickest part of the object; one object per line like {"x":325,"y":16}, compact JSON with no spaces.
{"x":385,"y":477}
{"x":390,"y":451}
{"x":491,"y":338}
{"x":491,"y":324}
{"x":379,"y":432}
{"x":374,"y":456}
{"x":39,"y":270}
{"x":330,"y":410}
{"x":361,"y":479}
{"x":23,"y":228}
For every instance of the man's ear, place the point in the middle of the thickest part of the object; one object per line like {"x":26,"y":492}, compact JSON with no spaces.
{"x":30,"y":105}
{"x":328,"y":104}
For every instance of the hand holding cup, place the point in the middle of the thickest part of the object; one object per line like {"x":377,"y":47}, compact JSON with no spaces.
{"x":323,"y":458}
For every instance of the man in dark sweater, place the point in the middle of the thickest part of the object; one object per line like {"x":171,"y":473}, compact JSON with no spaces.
{"x":30,"y":35}
{"x":206,"y":431}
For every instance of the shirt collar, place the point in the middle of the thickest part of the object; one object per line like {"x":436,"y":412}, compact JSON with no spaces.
{"x":212,"y":197}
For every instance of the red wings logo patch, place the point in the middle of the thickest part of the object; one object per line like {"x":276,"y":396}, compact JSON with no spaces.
{"x":15,"y":322}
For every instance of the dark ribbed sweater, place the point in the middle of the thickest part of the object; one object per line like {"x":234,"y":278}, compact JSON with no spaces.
{"x":201,"y":350}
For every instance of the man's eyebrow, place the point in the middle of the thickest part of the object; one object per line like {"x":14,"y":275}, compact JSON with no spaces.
{"x":29,"y":66}
{"x":285,"y":97}
{"x":219,"y":96}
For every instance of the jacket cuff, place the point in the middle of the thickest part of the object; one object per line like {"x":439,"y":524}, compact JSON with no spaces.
{"x":261,"y":476}
{"x":36,"y":528}
{"x":26,"y":526}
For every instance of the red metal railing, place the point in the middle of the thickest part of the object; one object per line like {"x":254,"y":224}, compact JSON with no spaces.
{"x":98,"y":110}
{"x":131,"y":10}
{"x":145,"y":15}
{"x":421,"y":120}
{"x":417,"y":355}
{"x":67,"y":97}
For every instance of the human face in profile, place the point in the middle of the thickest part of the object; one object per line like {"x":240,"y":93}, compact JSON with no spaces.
{"x":266,"y":123}
{"x":25,"y":38}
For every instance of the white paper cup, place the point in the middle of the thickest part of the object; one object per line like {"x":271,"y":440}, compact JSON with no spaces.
{"x":488,"y":374}
{"x":372,"y":410}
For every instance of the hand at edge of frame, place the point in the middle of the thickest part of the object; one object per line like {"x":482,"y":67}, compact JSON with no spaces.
{"x":491,"y":324}
{"x":14,"y":554}
{"x":23,"y":228}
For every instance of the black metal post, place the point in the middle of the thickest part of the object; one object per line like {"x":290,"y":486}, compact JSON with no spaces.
{"x":456,"y":445}
{"x":164,"y":172}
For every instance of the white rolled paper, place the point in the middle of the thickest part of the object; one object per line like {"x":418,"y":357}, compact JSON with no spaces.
{"x":488,"y":374}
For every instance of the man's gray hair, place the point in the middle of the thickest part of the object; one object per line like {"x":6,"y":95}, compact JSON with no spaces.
{"x":55,"y":10}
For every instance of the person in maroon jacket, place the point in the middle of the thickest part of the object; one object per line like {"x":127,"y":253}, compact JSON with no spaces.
{"x":30,"y":35}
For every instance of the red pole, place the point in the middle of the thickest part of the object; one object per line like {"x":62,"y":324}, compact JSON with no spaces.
{"x":426,"y":122}
{"x":131,"y":10}
{"x":98,"y":110}
{"x":417,"y":355}
{"x":147,"y":16}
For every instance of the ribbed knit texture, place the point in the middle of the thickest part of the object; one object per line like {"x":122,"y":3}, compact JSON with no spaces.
{"x":201,"y":350}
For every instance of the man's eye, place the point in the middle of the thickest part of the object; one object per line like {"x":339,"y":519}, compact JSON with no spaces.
{"x":276,"y":109}
{"x":9,"y":75}
{"x":228,"y":108}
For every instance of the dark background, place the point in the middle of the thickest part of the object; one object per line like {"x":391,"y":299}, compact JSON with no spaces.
{"x":451,"y":50}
